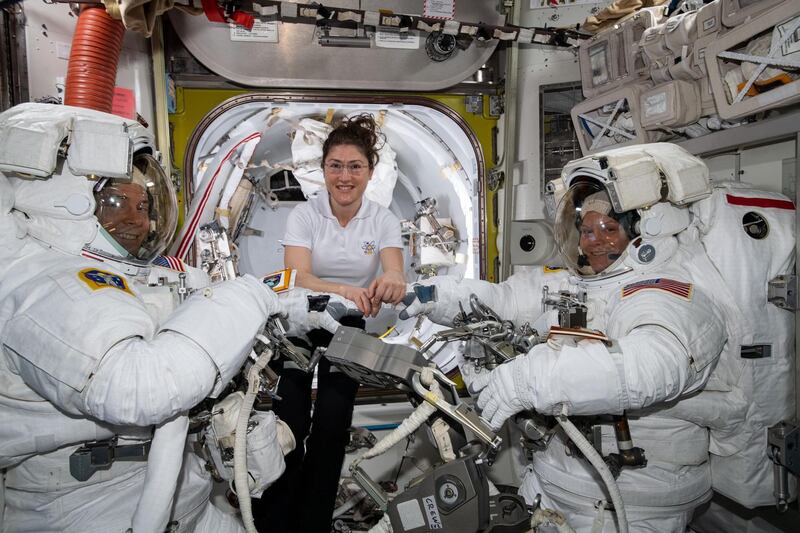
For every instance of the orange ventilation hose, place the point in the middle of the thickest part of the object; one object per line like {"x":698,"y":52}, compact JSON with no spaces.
{"x":93,"y":59}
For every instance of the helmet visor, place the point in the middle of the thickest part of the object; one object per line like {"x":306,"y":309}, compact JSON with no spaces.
{"x":591,"y":237}
{"x":139,"y":214}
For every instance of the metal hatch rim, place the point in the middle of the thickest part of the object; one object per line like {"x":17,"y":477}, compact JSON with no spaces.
{"x":340,"y":98}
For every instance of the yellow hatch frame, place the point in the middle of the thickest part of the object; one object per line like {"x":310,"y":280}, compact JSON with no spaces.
{"x":192,"y":104}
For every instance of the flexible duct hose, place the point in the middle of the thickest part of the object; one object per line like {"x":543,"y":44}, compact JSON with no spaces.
{"x":597,"y":462}
{"x":409,"y":425}
{"x":93,"y":59}
{"x":240,"y":475}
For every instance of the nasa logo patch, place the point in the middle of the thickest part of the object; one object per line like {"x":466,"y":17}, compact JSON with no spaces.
{"x":646,"y":253}
{"x":97,"y":279}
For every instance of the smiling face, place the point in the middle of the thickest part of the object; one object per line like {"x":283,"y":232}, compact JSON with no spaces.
{"x":602,"y":240}
{"x":347,"y":173}
{"x":124,"y":212}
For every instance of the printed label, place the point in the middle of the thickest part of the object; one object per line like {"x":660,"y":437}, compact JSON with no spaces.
{"x":388,"y":38}
{"x":439,"y":9}
{"x":262,"y":32}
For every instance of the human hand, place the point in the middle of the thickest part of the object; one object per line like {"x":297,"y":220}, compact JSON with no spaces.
{"x":360,"y":297}
{"x":389,"y":287}
{"x":500,"y":399}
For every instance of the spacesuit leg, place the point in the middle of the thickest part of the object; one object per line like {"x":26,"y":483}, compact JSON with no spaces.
{"x":271,"y":511}
{"x":585,"y":516}
{"x":214,"y":520}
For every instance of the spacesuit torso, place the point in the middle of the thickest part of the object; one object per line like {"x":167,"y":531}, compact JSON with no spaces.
{"x":98,"y":370}
{"x":58,"y":313}
{"x":664,"y":297}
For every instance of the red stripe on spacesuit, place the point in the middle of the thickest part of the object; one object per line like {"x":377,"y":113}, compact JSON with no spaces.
{"x":91,"y":256}
{"x":759,"y":202}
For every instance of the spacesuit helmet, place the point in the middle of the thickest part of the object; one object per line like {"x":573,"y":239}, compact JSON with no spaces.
{"x":136,"y":215}
{"x":619,"y":210}
{"x":87,"y":180}
{"x":592,"y":238}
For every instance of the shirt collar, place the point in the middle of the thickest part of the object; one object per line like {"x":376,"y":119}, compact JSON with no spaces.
{"x":325,"y":206}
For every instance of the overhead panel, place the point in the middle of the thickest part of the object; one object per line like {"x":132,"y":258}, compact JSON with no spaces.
{"x":297,"y":60}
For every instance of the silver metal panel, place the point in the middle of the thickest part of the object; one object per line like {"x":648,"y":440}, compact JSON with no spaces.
{"x":754,"y":134}
{"x":298,"y":61}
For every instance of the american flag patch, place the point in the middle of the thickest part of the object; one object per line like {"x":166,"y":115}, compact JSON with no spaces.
{"x":167,"y":261}
{"x":678,"y":288}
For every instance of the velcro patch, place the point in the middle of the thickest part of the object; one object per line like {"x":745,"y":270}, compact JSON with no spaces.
{"x":97,"y":279}
{"x":280,"y":281}
{"x":678,"y":288}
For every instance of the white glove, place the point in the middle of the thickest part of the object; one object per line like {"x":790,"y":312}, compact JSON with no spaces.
{"x":475,"y":379}
{"x":502,"y":398}
{"x":437,"y":298}
{"x":294,"y":305}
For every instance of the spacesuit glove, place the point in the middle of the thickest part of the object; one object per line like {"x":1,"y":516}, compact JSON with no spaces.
{"x":437,"y":298}
{"x":501,"y":399}
{"x":306,"y":310}
{"x":475,"y":378}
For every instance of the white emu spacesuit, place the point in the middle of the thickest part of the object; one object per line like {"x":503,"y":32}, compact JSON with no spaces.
{"x":89,"y":363}
{"x":659,"y":301}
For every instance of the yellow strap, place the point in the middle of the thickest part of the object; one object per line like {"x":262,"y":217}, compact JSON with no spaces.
{"x":329,"y":116}
{"x":391,"y":329}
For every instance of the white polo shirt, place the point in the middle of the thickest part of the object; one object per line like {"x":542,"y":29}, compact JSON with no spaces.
{"x":348,"y":255}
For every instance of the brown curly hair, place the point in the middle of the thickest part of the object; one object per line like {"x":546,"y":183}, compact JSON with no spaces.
{"x":360,"y":131}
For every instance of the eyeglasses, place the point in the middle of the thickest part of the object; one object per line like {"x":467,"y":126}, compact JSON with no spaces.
{"x":354,"y":169}
{"x":113,"y":200}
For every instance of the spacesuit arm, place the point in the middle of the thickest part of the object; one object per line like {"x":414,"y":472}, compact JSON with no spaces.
{"x":648,"y":366}
{"x":665,"y":349}
{"x":119,"y":371}
{"x":518,"y":298}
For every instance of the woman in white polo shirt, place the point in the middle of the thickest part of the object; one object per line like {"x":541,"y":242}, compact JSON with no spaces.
{"x":337,"y":242}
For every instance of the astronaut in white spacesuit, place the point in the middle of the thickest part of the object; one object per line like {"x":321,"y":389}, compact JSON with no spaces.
{"x":90,"y":362}
{"x":649,"y":292}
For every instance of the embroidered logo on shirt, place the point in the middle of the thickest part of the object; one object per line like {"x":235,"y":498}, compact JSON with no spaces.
{"x":678,"y":288}
{"x":97,"y":279}
{"x":368,"y":247}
